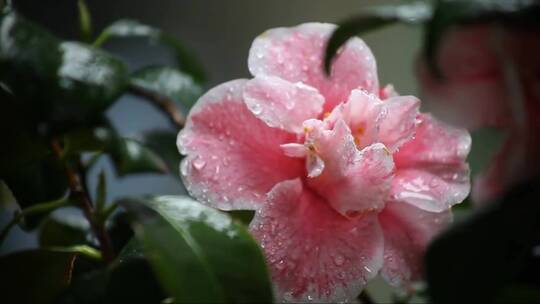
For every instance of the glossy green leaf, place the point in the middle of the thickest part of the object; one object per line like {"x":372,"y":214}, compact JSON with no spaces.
{"x":63,"y":230}
{"x":128,"y":155}
{"x":65,"y":82}
{"x":371,"y":19}
{"x":163,"y":143}
{"x":488,"y":251}
{"x":170,"y":82}
{"x":132,"y":157}
{"x":449,"y":13}
{"x":35,"y":276}
{"x":132,"y":28}
{"x":198,"y":253}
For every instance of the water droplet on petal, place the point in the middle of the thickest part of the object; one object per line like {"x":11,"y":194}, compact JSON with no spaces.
{"x":367,"y":269}
{"x":256,"y":108}
{"x":199,"y":163}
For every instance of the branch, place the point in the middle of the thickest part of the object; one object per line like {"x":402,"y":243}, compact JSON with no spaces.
{"x":162,"y":102}
{"x":78,"y":192}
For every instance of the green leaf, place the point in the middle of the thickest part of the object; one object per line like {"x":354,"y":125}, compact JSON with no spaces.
{"x":35,"y":276}
{"x":85,"y":21}
{"x":128,"y":155}
{"x":119,"y":229}
{"x":170,"y":82}
{"x":131,"y":28}
{"x":371,"y":19}
{"x":129,"y":279}
{"x":131,"y":157}
{"x":198,"y":253}
{"x":488,"y":251}
{"x":163,"y":143}
{"x":449,"y":13}
{"x":486,"y":143}
{"x":65,"y":82}
{"x":63,"y":230}
{"x":37,"y":182}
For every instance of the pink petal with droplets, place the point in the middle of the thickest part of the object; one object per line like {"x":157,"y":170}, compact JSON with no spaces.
{"x":397,"y":124}
{"x":431,"y":170}
{"x":315,"y":254}
{"x":371,"y":120}
{"x":353,"y":181}
{"x":407,"y":231}
{"x":296,"y":54}
{"x":282,"y":104}
{"x":232,"y":158}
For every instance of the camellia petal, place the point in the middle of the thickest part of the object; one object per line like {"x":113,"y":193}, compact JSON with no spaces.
{"x":316,"y":254}
{"x":282,"y":104}
{"x":391,"y":122}
{"x":233,"y":158}
{"x":431,"y":172}
{"x":353,"y":181}
{"x":407,"y":231}
{"x":296,"y":54}
{"x":398,"y":121}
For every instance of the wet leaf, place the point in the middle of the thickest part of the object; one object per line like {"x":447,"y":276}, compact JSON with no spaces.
{"x":170,"y":82}
{"x":198,"y":253}
{"x":128,"y":155}
{"x":163,"y":143}
{"x":64,"y":82}
{"x":131,"y":28}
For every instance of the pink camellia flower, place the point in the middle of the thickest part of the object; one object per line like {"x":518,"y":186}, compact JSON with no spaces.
{"x":348,"y":180}
{"x":490,"y":79}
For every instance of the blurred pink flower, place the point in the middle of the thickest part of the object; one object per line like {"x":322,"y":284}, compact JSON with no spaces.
{"x":348,"y":180}
{"x":491,"y":78}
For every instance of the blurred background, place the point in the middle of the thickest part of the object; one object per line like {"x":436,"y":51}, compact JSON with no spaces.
{"x":220,"y":33}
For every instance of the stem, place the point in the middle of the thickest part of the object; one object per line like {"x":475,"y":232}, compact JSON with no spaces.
{"x":162,"y":102}
{"x":79,"y":193}
{"x":365,"y":298}
{"x":36,"y":209}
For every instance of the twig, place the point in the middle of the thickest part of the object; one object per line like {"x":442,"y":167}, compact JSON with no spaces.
{"x":78,"y":192}
{"x":162,"y":102}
